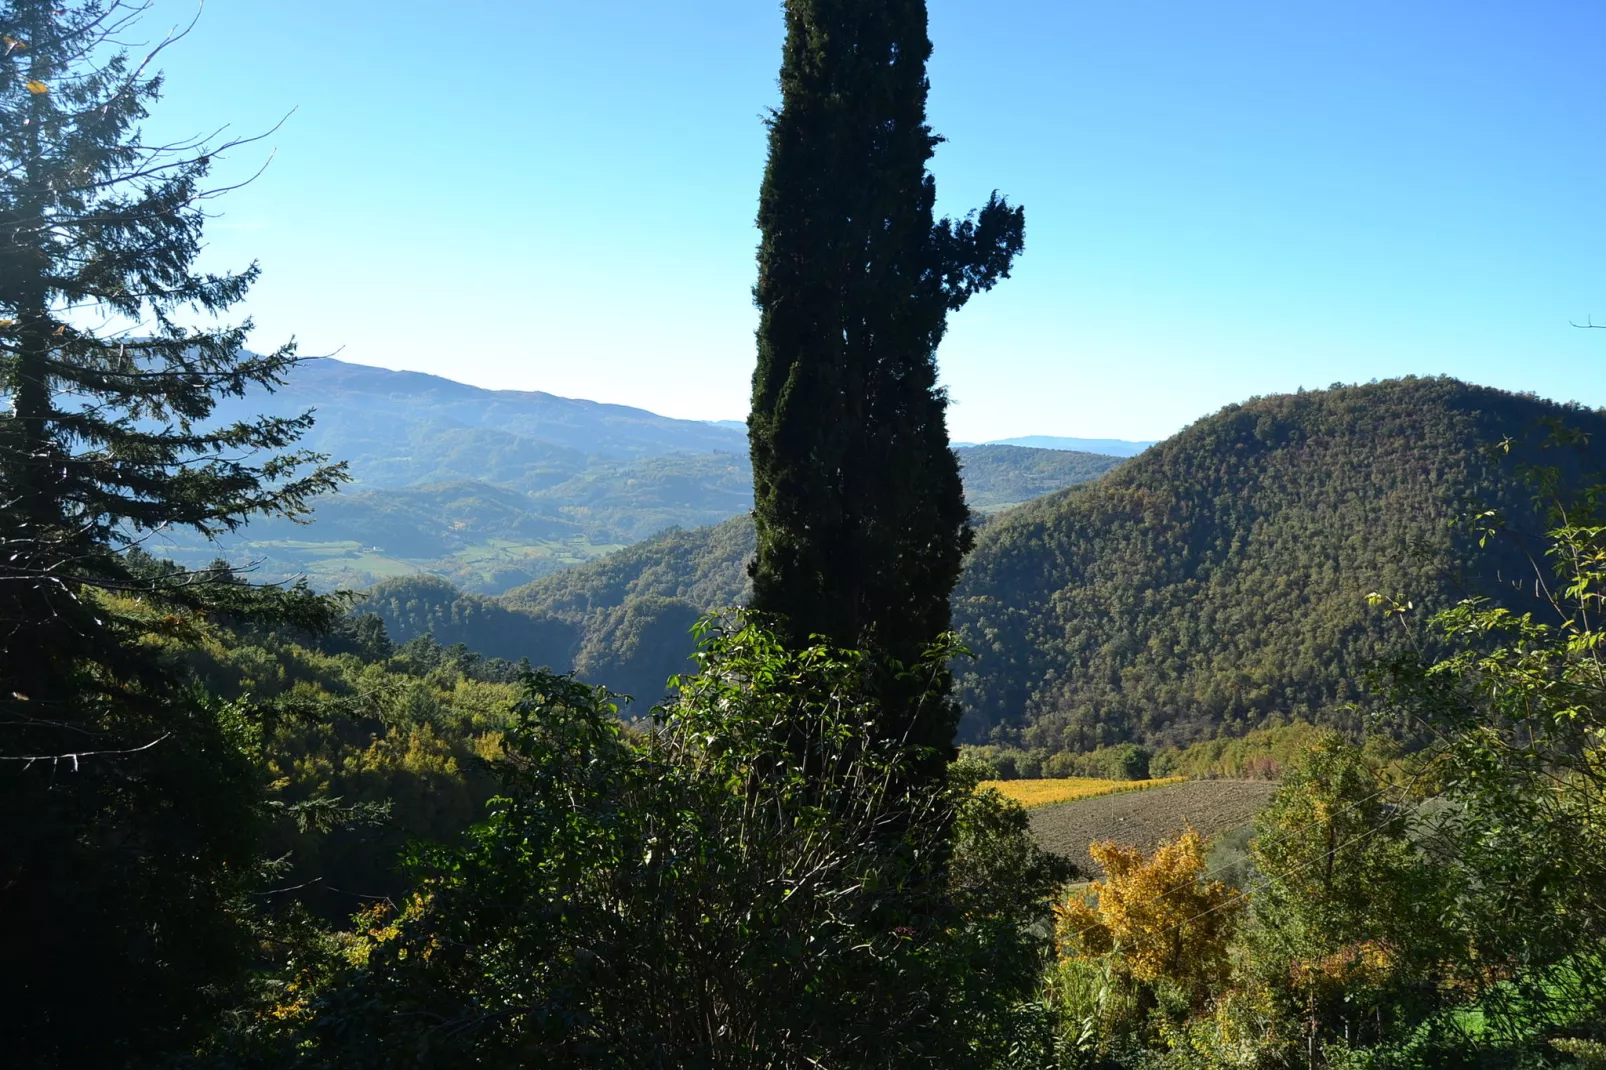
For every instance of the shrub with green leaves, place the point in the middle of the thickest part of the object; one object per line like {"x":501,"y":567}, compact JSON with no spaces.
{"x":1516,"y":710}
{"x":756,"y":880}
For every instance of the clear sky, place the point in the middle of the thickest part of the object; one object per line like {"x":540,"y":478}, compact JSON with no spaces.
{"x":1223,"y":199}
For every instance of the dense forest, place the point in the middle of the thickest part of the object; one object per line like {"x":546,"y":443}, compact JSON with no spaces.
{"x":1221,"y":579}
{"x":260,"y":826}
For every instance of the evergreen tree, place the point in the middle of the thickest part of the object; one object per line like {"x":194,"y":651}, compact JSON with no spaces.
{"x":126,"y":804}
{"x":862,"y":523}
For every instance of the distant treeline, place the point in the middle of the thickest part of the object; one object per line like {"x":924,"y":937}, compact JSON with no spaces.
{"x":1263,"y":754}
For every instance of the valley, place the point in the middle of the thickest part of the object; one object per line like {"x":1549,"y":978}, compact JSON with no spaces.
{"x":494,"y":489}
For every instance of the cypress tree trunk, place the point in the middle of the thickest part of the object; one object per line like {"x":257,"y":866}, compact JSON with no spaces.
{"x":862,"y":523}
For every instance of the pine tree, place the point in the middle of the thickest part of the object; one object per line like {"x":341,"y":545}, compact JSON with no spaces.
{"x":127,"y":808}
{"x":862,"y":523}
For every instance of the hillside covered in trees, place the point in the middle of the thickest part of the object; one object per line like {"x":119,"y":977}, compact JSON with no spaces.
{"x":1215,"y":583}
{"x":1221,"y":579}
{"x":625,"y":617}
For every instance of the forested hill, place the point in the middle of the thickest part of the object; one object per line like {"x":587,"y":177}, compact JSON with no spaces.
{"x":1215,"y":582}
{"x":1220,"y":579}
{"x":631,"y":610}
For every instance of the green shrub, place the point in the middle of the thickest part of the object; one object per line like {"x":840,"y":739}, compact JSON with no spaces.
{"x":758,"y":881}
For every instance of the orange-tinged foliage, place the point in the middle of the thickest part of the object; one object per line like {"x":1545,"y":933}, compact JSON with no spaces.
{"x":1034,"y":793}
{"x":1157,"y":916}
{"x":1366,"y":962}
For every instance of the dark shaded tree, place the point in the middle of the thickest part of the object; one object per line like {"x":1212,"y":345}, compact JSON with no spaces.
{"x":862,"y":523}
{"x":127,"y":800}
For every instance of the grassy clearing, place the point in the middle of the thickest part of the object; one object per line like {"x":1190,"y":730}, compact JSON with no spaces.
{"x":1032,"y":794}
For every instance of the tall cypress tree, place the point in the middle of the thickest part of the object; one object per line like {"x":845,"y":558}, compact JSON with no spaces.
{"x":862,"y":523}
{"x":127,"y":809}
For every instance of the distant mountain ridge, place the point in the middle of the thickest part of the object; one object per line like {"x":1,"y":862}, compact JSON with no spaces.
{"x":495,"y":488}
{"x":372,"y":416}
{"x":1115,"y":447}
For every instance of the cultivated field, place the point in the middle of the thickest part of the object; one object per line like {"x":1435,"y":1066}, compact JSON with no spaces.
{"x":1032,"y":794}
{"x":1145,"y":818}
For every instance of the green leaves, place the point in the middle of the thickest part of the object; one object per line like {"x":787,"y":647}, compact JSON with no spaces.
{"x":1516,"y":711}
{"x":754,"y":880}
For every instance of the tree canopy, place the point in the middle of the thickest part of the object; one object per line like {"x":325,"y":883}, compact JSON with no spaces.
{"x":861,"y":518}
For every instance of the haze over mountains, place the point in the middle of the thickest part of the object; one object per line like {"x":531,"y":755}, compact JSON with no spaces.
{"x":377,"y":418}
{"x":494,"y":488}
{"x":1115,"y":447}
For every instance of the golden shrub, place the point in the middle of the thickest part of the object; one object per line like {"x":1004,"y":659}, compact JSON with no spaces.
{"x":1157,"y":916}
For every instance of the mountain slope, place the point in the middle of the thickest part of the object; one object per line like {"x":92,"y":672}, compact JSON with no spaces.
{"x":633,"y":610}
{"x":428,"y":605}
{"x":1220,"y":579}
{"x":633,"y":607}
{"x":379,"y":420}
{"x":707,"y":567}
{"x":999,"y":476}
{"x":1214,"y":583}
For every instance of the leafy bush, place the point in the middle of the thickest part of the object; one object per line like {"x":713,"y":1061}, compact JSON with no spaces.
{"x":1515,"y":704}
{"x":757,"y":881}
{"x":1259,"y":755}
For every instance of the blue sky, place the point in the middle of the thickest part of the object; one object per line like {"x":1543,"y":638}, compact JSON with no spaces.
{"x":1222,"y":199}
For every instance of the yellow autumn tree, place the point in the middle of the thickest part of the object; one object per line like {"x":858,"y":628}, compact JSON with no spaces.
{"x":1155,"y":919}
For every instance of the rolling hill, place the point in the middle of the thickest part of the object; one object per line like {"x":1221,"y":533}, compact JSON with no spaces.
{"x":1220,"y":579}
{"x":1214,"y":583}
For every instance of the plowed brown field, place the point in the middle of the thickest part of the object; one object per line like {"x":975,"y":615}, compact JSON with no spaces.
{"x":1145,"y":818}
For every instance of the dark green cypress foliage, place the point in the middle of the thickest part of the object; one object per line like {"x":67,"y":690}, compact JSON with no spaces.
{"x":128,"y":808}
{"x":862,"y":523}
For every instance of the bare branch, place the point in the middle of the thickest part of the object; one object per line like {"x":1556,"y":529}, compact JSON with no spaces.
{"x":29,"y":759}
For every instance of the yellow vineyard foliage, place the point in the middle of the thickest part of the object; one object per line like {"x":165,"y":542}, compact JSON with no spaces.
{"x":1034,"y":793}
{"x":1156,"y":916}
